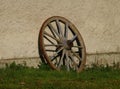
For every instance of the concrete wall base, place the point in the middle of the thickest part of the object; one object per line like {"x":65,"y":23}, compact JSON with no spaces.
{"x":93,"y":58}
{"x":109,"y":58}
{"x":30,"y":62}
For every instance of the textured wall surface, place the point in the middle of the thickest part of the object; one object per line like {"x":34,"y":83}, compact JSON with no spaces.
{"x":98,"y":22}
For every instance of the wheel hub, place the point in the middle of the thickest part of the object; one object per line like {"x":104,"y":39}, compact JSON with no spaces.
{"x":67,"y":44}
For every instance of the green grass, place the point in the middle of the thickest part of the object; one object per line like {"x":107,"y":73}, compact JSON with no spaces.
{"x":22,"y":77}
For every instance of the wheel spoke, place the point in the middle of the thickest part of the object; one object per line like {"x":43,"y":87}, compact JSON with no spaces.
{"x":53,"y":45}
{"x":53,"y":29}
{"x":74,"y":38}
{"x":52,"y":32}
{"x":61,"y":59}
{"x":78,"y":47}
{"x":51,"y":36}
{"x":57,"y":54}
{"x":49,"y":40}
{"x":50,"y":50}
{"x":74,"y":63}
{"x":67,"y":61}
{"x":76,"y":55}
{"x":59,"y":28}
{"x":54,"y":57}
{"x":66,"y":30}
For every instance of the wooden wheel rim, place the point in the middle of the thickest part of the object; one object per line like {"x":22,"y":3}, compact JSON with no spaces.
{"x":66,"y":45}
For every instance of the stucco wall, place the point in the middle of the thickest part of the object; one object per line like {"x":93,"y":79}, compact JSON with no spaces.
{"x":20,"y":20}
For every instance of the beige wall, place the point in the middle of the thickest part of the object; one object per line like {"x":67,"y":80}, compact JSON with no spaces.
{"x":20,"y":20}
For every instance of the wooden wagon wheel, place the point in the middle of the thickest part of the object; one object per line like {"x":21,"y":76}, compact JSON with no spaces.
{"x":61,"y":45}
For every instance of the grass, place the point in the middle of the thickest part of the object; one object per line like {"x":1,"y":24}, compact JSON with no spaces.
{"x":21,"y":77}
